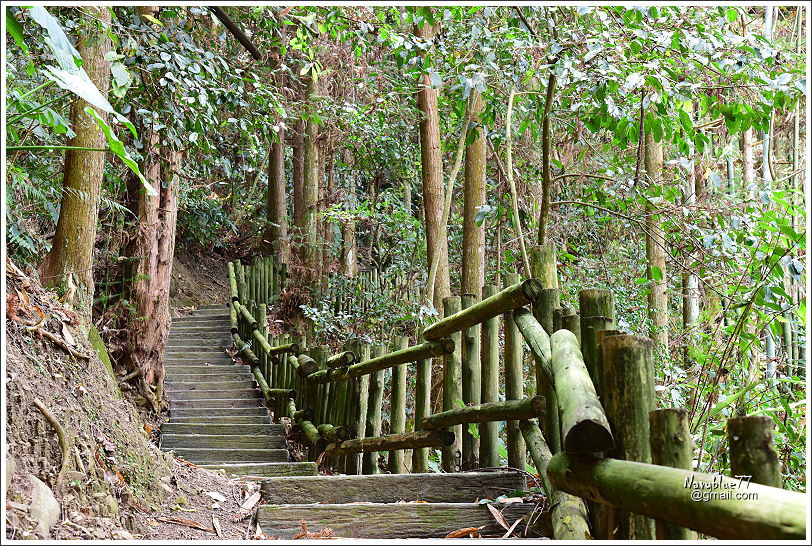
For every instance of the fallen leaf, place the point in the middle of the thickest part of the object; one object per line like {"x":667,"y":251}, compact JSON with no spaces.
{"x":512,"y":527}
{"x":215,"y":495}
{"x":216,"y":524}
{"x":497,"y":515}
{"x":252,"y":501}
{"x":67,"y":335}
{"x":460,"y":533}
{"x":511,"y":500}
{"x":186,"y":522}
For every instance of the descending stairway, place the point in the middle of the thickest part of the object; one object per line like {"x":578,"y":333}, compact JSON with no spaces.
{"x":217,"y":414}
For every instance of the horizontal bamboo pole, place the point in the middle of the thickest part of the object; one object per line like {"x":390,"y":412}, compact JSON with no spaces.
{"x":263,"y":385}
{"x":584,"y":427}
{"x":261,"y":341}
{"x":527,"y":408}
{"x":314,"y":439}
{"x":243,"y":349}
{"x":326,"y":376}
{"x":536,"y":337}
{"x":289,"y":348}
{"x":508,"y":299}
{"x":346,"y":358}
{"x":684,"y":497}
{"x":306,"y":365}
{"x":287,"y":393}
{"x":407,"y":440}
{"x":248,"y":317}
{"x":334,"y":434}
{"x":412,"y":354}
{"x":232,"y":317}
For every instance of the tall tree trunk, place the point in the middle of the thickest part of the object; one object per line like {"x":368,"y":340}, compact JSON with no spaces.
{"x":310,"y":183}
{"x":690,"y":280}
{"x":277,"y":213}
{"x":150,"y":252}
{"x":69,"y":263}
{"x":298,"y":172}
{"x":748,"y":169}
{"x":349,"y":252}
{"x":432,"y":179}
{"x":655,"y":251}
{"x":473,"y":236}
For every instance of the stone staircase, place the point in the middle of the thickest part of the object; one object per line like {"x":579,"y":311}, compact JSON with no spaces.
{"x":217,"y":415}
{"x":218,"y":421}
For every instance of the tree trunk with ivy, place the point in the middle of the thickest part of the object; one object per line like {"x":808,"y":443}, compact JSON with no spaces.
{"x":298,"y":171}
{"x":69,"y":263}
{"x":277,"y":215}
{"x":656,"y":250}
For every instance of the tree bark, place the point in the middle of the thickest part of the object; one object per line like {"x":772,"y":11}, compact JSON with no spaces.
{"x":655,"y":251}
{"x":277,"y":213}
{"x":473,"y":236}
{"x":432,"y":178}
{"x":69,"y":263}
{"x":310,"y":184}
{"x":298,"y":172}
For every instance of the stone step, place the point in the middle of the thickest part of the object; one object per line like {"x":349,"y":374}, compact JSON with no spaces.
{"x":182,"y":384}
{"x":207,"y":306}
{"x":263,"y":470}
{"x":202,"y":334}
{"x":191,"y":378}
{"x":204,"y":315}
{"x":217,"y":403}
{"x":265,"y":428}
{"x":177,"y":395}
{"x":386,"y":521}
{"x":201,"y":322}
{"x":238,"y":455}
{"x":222,"y":441}
{"x":207,"y":349}
{"x":223,"y":419}
{"x":216,"y":343}
{"x":383,"y":488}
{"x":221,"y":359}
{"x":222,"y":412}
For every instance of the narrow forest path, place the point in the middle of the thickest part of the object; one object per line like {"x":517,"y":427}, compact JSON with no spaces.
{"x":218,"y":420}
{"x":217,"y":415}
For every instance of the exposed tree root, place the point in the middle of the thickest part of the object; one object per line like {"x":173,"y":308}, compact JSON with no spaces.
{"x":60,"y":434}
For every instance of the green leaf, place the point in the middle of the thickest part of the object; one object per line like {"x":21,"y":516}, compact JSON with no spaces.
{"x":656,"y":273}
{"x":117,"y":147}
{"x":14,"y":28}
{"x":731,"y":14}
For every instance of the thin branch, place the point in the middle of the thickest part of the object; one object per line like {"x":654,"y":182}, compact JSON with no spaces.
{"x":236,"y":32}
{"x":63,"y":443}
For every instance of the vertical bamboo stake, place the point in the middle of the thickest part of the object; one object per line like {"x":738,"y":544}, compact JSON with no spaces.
{"x":471,"y":383}
{"x":671,"y":445}
{"x":488,"y":432}
{"x":573,"y":324}
{"x":752,"y":450}
{"x":514,"y":381}
{"x":599,"y":337}
{"x":558,"y":318}
{"x":397,"y":408}
{"x":358,"y":425}
{"x":452,"y":386}
{"x":373,"y":424}
{"x":422,"y":408}
{"x":628,"y":397}
{"x":590,"y":326}
{"x":262,"y":321}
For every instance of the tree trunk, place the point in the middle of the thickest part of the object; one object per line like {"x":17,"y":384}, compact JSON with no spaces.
{"x":473,"y":236}
{"x":432,"y":178}
{"x":690,"y":281}
{"x":655,"y":252}
{"x":349,"y":253}
{"x":69,"y":263}
{"x":748,"y":169}
{"x":277,"y":214}
{"x":298,"y":172}
{"x":310,"y":185}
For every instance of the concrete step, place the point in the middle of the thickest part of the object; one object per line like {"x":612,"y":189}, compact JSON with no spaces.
{"x":199,"y":333}
{"x":174,"y":379}
{"x":192,"y":319}
{"x":200,"y":349}
{"x":223,"y":420}
{"x":450,"y":487}
{"x":207,"y":306}
{"x":221,"y":412}
{"x":177,"y":395}
{"x":217,"y":342}
{"x":217,"y":403}
{"x":238,"y":455}
{"x":387,"y":521}
{"x":265,"y":428}
{"x":182,"y":384}
{"x":222,"y":441}
{"x":221,"y":359}
{"x":263,"y":470}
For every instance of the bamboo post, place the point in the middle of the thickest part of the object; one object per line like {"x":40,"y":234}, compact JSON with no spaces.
{"x":471,"y":384}
{"x":262,"y":321}
{"x":671,"y":494}
{"x":590,"y":326}
{"x":543,"y":308}
{"x":596,"y":303}
{"x":488,"y":432}
{"x":752,"y":450}
{"x":422,"y":408}
{"x":628,"y":397}
{"x":397,"y":409}
{"x":569,"y":514}
{"x":362,"y":395}
{"x":558,"y":317}
{"x":452,"y":386}
{"x":232,"y":282}
{"x":514,"y":382}
{"x":573,"y":324}
{"x":373,"y":424}
{"x":584,"y":427}
{"x":671,"y":445}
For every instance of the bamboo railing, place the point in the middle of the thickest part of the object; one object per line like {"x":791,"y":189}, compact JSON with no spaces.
{"x":591,"y":429}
